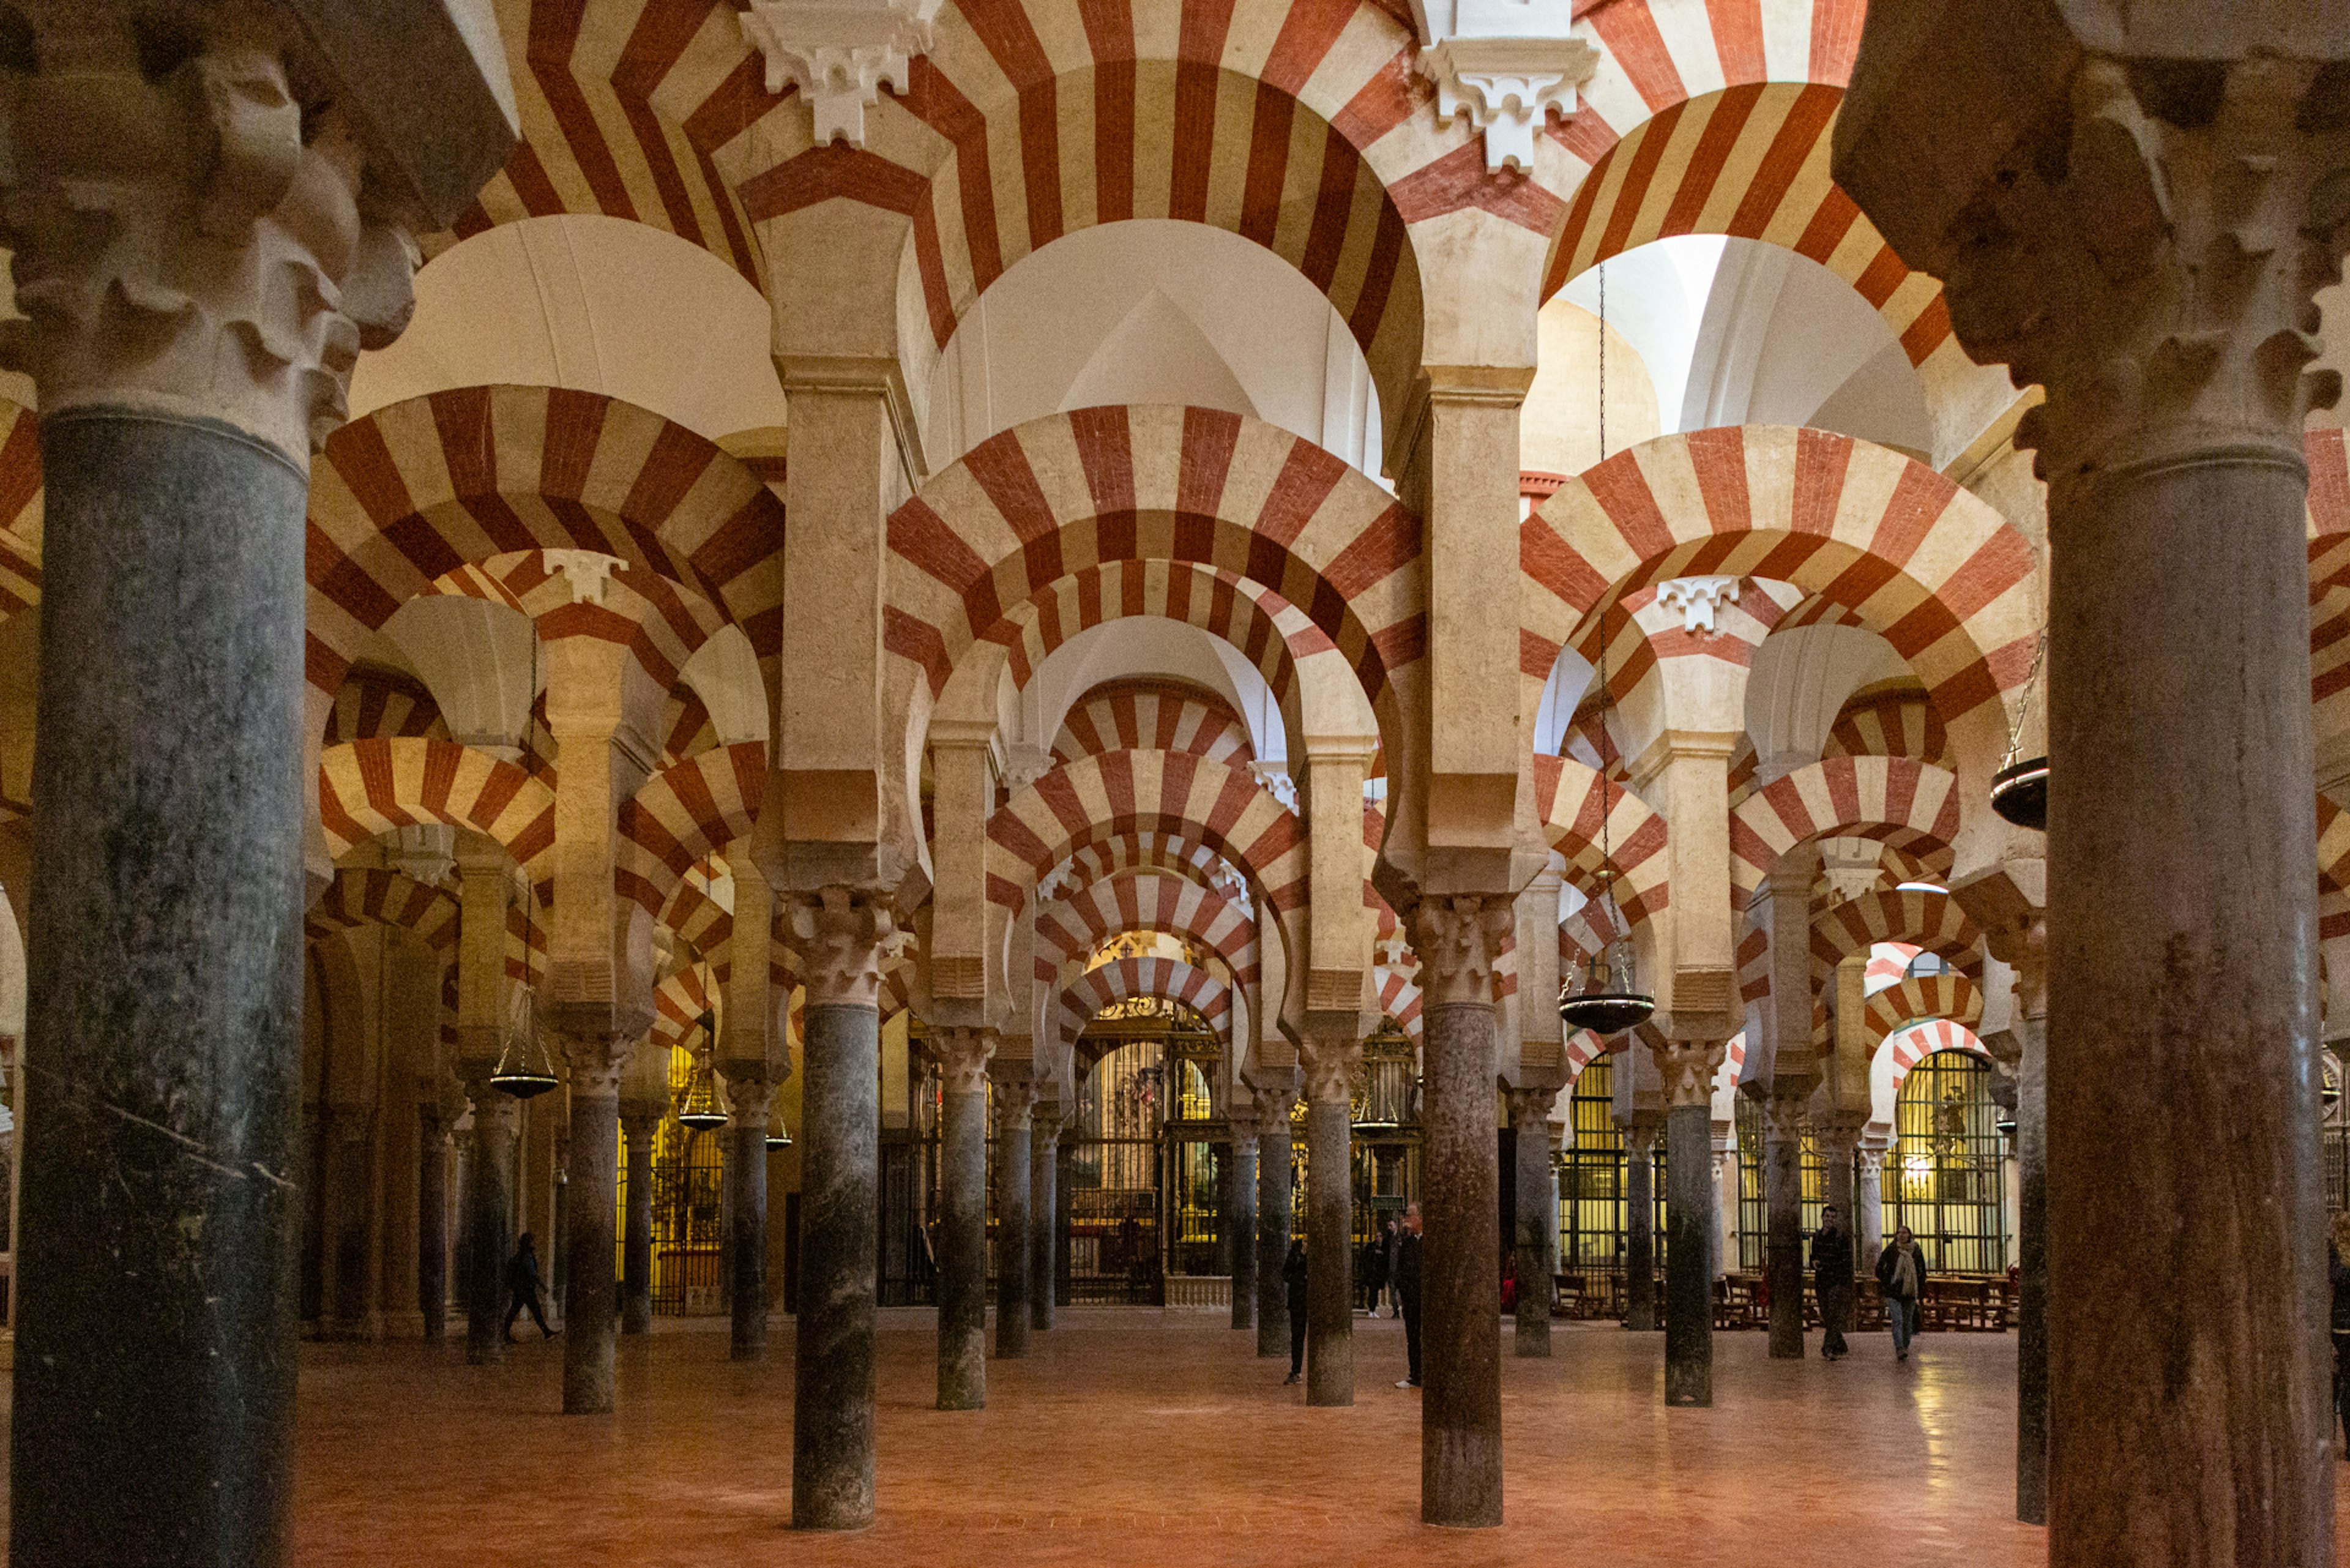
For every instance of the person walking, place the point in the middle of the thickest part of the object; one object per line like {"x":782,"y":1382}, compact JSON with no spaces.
{"x":2338,"y":1272}
{"x":1901,"y":1275}
{"x":1406,"y":1280}
{"x":1292,"y":1278}
{"x":1387,"y":1245}
{"x":1832,"y":1265}
{"x":1373,"y":1265}
{"x":522,"y":1283}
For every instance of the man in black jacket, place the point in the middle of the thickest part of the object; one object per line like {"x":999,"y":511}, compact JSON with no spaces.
{"x":1832,"y":1281}
{"x":522,"y":1280}
{"x":1407,"y":1286}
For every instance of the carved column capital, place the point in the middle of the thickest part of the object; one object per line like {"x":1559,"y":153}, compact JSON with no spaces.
{"x":493,"y":1108}
{"x":2149,"y":255}
{"x":841,"y":936}
{"x":1531,"y":1106}
{"x":187,"y":245}
{"x":1045,"y":1121}
{"x":1837,"y":1133}
{"x":596,"y":1061}
{"x":1330,"y":1066}
{"x":1640,"y":1134}
{"x":1458,"y":937}
{"x":1015,"y":1101}
{"x":1266,"y":1117}
{"x":1687,"y":1067}
{"x":1784,"y":1118}
{"x":750,"y":1091}
{"x":963,"y":1056}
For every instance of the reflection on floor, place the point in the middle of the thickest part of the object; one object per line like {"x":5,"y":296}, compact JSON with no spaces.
{"x":1135,"y":1437}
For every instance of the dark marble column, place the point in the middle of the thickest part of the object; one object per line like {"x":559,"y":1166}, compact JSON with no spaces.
{"x":636,"y":1239}
{"x":350,"y":1221}
{"x":1043,"y":1211}
{"x":1458,"y":939}
{"x":1329,"y":1221}
{"x":748,"y":1097}
{"x":1640,"y":1224}
{"x":488,"y":1202}
{"x":432,"y":1220}
{"x":1239,"y":1220}
{"x":1275,"y":1220}
{"x":1783,"y":1197}
{"x":1537,"y":1220}
{"x":838,"y":936}
{"x":1014,"y":1097}
{"x":591,"y":1318}
{"x":1692,"y":1218}
{"x":963,"y":1056}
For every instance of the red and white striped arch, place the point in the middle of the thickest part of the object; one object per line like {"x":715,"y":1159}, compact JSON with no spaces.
{"x":370,"y":787}
{"x":1932,"y":922}
{"x":360,"y":896}
{"x":1058,"y":495}
{"x":1750,"y":161}
{"x":1568,"y":801}
{"x":1897,"y":799}
{"x":1889,"y":723}
{"x":661,"y":624}
{"x":1090,"y":801}
{"x":628,"y":110}
{"x":376,"y":704}
{"x":1069,"y":930}
{"x":20,"y":509}
{"x":1921,"y":997}
{"x":1143,"y":850}
{"x":683,"y":815}
{"x":421,"y":489}
{"x":2329,"y":577}
{"x":1902,"y":1051}
{"x":1929,"y":567}
{"x":1167,"y":979}
{"x":1160,"y":716}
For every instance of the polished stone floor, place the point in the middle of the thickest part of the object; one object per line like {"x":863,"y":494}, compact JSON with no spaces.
{"x":1135,"y":1437}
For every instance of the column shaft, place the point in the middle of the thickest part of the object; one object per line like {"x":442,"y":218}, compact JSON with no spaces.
{"x":746,"y":1181}
{"x":1275,"y":1220}
{"x":637,"y":1240}
{"x":832,"y":1410}
{"x":1640,"y":1229}
{"x":433,"y":1222}
{"x":488,"y":1201}
{"x":1240,"y":1224}
{"x":2032,"y":1260}
{"x":963,"y":1248}
{"x":592,"y":1168}
{"x":1537,"y":1231}
{"x":1012,"y":1110}
{"x":1329,"y":1261}
{"x":1690,"y":1215}
{"x":1783,"y":1196}
{"x":1044,"y":1219}
{"x":1461,"y":1312}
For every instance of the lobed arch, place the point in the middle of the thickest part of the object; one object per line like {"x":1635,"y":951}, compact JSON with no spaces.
{"x":1165,"y":978}
{"x":1931,"y":922}
{"x":1905,"y":803}
{"x":1942,"y":578}
{"x":423,"y":488}
{"x":367,"y":788}
{"x":1917,"y":998}
{"x":1568,"y":803}
{"x":683,"y":815}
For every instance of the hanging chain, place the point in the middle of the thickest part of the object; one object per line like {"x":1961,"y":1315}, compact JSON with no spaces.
{"x":1603,"y":362}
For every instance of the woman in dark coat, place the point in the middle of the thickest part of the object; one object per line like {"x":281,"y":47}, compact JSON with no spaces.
{"x":1901,"y":1275}
{"x":1293,"y":1278}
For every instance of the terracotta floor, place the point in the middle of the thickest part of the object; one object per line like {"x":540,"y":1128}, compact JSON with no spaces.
{"x":1142,"y":1438}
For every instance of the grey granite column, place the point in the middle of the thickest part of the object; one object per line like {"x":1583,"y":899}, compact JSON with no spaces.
{"x":432,"y":1220}
{"x":1043,"y":1210}
{"x":1458,"y":938}
{"x":962,"y":1056}
{"x":1014,"y":1097}
{"x":748,"y":1096}
{"x":350,"y":1221}
{"x":838,"y":935}
{"x":488,"y":1201}
{"x":636,"y":1238}
{"x":591,"y":1318}
{"x":1640,"y":1224}
{"x":1783,"y":1197}
{"x":1537,"y":1220}
{"x":1240,"y":1221}
{"x":1692,"y":1216}
{"x":1329,"y":1221}
{"x":1275,"y":1220}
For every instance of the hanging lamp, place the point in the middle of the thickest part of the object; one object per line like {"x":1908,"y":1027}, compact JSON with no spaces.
{"x":700,"y":1109}
{"x":1610,"y":1001}
{"x":2018,"y":790}
{"x":525,"y":1068}
{"x":779,"y":1135}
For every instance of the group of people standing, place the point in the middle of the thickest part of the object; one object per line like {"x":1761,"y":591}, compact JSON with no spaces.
{"x":1901,"y":1272}
{"x":1390,"y":1263}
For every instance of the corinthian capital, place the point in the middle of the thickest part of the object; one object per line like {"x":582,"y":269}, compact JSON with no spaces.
{"x":963,"y":1056}
{"x":1688,"y":1067}
{"x":1330,"y":1066}
{"x":841,"y":936}
{"x":1458,"y":937}
{"x":197,"y":240}
{"x":2141,"y":236}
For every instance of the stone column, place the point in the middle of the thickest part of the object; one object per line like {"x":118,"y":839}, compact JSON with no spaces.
{"x":1691,"y":1202}
{"x":750,"y":1091}
{"x":1837,"y":1133}
{"x":1640,"y":1223}
{"x":432,"y":1219}
{"x":1275,"y":1217}
{"x":2142,"y":236}
{"x":1240,"y":1218}
{"x":1016,"y":1097}
{"x":1537,"y":1219}
{"x":963,"y":1056}
{"x":591,"y":1319}
{"x":488,"y":1201}
{"x":1329,"y":1220}
{"x":350,"y":1230}
{"x":642,"y":1126}
{"x":1783,"y":1196}
{"x":840,"y":935}
{"x":189,"y":248}
{"x":1043,"y":1210}
{"x":1458,"y":938}
{"x":1868,"y":1192}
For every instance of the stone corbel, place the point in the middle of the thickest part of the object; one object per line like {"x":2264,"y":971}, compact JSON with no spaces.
{"x":839,"y":54}
{"x":1506,"y":86}
{"x":1696,"y":600}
